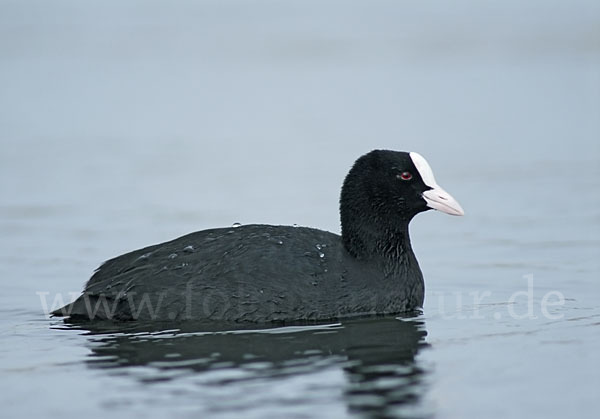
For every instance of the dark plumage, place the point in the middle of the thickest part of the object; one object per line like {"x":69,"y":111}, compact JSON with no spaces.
{"x":263,"y":273}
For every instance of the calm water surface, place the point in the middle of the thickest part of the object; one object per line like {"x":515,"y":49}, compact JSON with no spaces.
{"x":130,"y":123}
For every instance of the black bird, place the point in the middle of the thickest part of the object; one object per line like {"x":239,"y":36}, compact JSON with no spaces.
{"x":265,"y":273}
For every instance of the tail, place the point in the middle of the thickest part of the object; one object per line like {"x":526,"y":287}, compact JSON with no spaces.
{"x":93,"y":307}
{"x":63,"y":311}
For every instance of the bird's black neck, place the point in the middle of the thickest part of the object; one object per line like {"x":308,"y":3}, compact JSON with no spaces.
{"x":386,"y":244}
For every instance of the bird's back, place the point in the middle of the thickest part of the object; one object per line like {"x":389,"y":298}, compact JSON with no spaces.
{"x":250,"y":273}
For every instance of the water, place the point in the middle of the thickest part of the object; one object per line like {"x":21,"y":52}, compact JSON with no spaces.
{"x":130,"y":123}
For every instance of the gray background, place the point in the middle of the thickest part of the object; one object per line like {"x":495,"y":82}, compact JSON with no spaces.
{"x":126,"y":123}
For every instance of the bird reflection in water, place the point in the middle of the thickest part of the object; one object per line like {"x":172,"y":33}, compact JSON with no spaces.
{"x":376,"y":356}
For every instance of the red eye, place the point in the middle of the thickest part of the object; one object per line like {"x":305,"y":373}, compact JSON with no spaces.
{"x":405,"y":176}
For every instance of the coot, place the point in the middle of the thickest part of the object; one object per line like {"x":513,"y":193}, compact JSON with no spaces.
{"x":265,"y":273}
